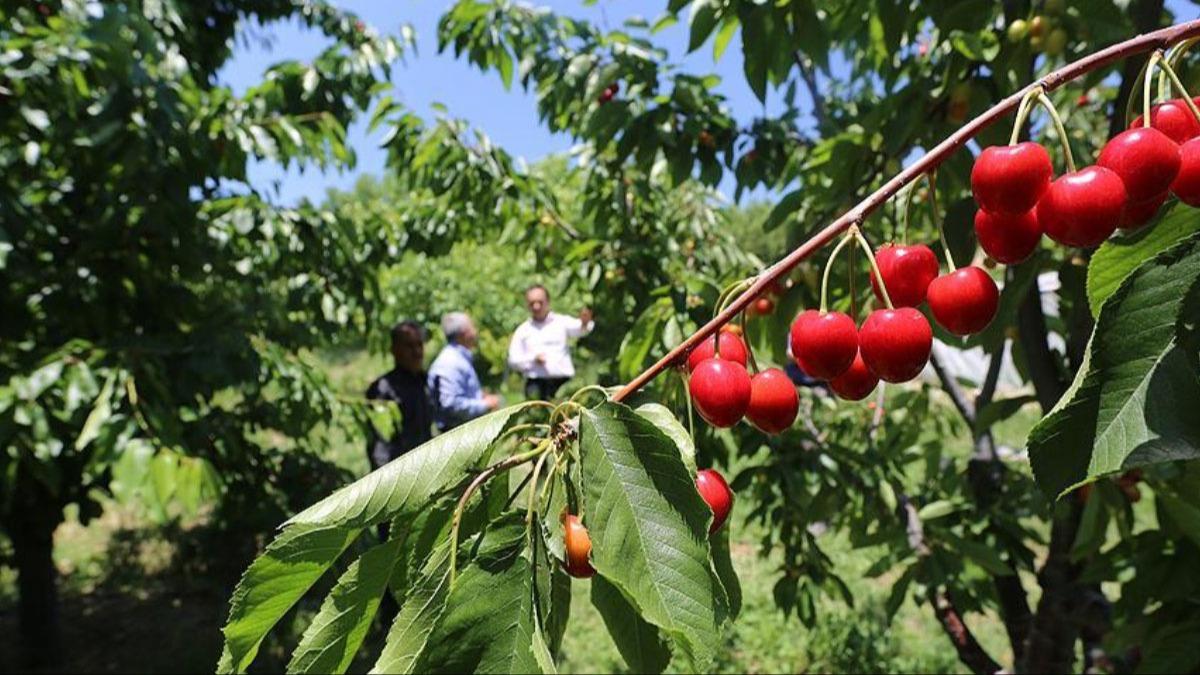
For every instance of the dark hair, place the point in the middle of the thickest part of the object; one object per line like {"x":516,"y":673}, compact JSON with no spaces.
{"x":406,"y":326}
{"x":534,"y":287}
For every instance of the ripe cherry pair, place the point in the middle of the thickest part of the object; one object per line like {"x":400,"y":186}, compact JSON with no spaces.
{"x":724,"y":391}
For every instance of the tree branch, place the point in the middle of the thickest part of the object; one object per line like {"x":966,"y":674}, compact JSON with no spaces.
{"x":1042,"y":364}
{"x":970,"y":652}
{"x":809,"y":77}
{"x":961,"y":402}
{"x":1144,"y":43}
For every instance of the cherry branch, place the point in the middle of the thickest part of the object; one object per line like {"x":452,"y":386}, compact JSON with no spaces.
{"x":1148,"y":42}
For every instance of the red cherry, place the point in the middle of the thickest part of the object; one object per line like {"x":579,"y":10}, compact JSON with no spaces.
{"x":773,"y":401}
{"x":895,"y":343}
{"x":907,"y":271}
{"x":964,"y":302}
{"x":1011,"y":178}
{"x":824,"y":344}
{"x":763,"y":306}
{"x":1145,"y":159}
{"x":1174,"y":119}
{"x":1137,"y":214}
{"x":578,"y":547}
{"x":856,"y":383}
{"x":1008,"y":239}
{"x":1082,"y":208}
{"x":716,"y":494}
{"x":732,"y":349}
{"x":721,"y":390}
{"x":1187,"y":181}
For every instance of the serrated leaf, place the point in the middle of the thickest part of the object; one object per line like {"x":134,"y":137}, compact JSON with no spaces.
{"x":423,"y":606}
{"x":1119,"y":411}
{"x":410,"y":481}
{"x":649,"y":527}
{"x":1118,"y":257}
{"x":273,"y":583}
{"x":640,"y":644}
{"x":335,"y":634}
{"x":488,"y":624}
{"x":722,"y":560}
{"x":664,"y":419}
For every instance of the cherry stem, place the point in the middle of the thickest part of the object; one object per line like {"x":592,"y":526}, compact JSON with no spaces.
{"x":482,"y":478}
{"x":1147,"y":79}
{"x":683,"y":373}
{"x":1023,"y":112}
{"x":853,"y":292}
{"x":1058,"y":126}
{"x":933,"y":209}
{"x":1165,"y":67}
{"x":866,"y":247}
{"x":533,"y":492}
{"x":829,"y":265}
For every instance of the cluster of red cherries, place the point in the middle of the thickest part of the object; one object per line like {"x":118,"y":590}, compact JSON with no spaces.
{"x":578,"y":543}
{"x":1019,"y":199}
{"x":1134,"y":174}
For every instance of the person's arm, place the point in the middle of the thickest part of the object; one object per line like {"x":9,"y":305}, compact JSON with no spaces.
{"x":519,"y":358}
{"x":578,"y":327}
{"x":452,"y":396}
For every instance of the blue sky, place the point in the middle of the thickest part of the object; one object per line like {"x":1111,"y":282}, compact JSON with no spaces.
{"x":509,"y":117}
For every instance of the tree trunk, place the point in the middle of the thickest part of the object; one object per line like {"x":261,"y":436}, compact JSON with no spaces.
{"x":36,"y":514}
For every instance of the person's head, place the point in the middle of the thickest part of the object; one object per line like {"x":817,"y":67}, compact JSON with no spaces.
{"x":408,"y":346}
{"x":459,"y":329}
{"x":537,"y":299}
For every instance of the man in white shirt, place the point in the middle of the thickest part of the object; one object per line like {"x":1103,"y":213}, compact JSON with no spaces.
{"x":539,"y":349}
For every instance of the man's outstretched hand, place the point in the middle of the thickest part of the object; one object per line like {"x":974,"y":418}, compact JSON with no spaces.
{"x":585,"y":315}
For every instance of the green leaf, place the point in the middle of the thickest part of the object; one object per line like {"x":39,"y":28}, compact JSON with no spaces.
{"x":488,"y":624}
{"x":413,"y":479}
{"x":938,"y":509}
{"x":273,"y":583}
{"x":649,"y":527}
{"x":101,"y":412}
{"x":900,"y":591}
{"x":728,"y":29}
{"x":979,"y":553}
{"x":1185,"y":516}
{"x":756,"y":52}
{"x":1122,"y":409}
{"x":422,"y":609}
{"x":335,"y":634}
{"x":1171,"y":649}
{"x":1118,"y":257}
{"x":723,"y":566}
{"x":703,"y":21}
{"x":639,"y":642}
{"x":664,"y":419}
{"x":981,"y":46}
{"x":1000,"y":410}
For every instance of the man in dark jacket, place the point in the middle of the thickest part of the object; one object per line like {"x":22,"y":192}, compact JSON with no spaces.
{"x":404,"y":385}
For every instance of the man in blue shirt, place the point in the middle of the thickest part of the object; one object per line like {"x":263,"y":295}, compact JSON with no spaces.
{"x":457,"y":394}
